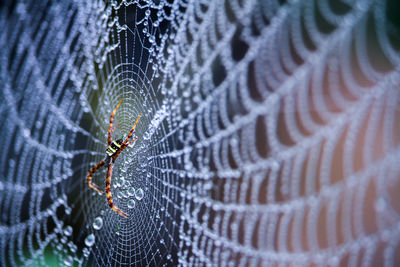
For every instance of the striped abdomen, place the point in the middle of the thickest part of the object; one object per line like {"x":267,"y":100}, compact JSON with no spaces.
{"x":113,"y":148}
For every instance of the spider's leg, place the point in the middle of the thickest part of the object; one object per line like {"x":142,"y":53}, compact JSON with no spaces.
{"x":110,"y":128}
{"x":133,"y":128}
{"x":108,"y":192}
{"x":123,"y":146}
{"x":130,"y":142}
{"x":126,"y":143}
{"x":89,"y":177}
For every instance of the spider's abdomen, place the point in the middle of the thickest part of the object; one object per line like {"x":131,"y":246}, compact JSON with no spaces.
{"x":113,"y":148}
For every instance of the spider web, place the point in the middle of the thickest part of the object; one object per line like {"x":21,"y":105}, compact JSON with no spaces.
{"x":269,"y":132}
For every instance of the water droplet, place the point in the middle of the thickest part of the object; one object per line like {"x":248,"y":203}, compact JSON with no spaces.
{"x":147,"y":12}
{"x":26,"y":132}
{"x":121,"y":27}
{"x":72,"y":247}
{"x":98,"y":223}
{"x":90,"y":240}
{"x":125,"y":184}
{"x":131,"y":191}
{"x":68,"y":211}
{"x":121,"y":194}
{"x":86,"y":252}
{"x":139,"y":194}
{"x":233,"y":141}
{"x":68,"y":230}
{"x":38,"y":124}
{"x":68,"y":261}
{"x":131,"y":204}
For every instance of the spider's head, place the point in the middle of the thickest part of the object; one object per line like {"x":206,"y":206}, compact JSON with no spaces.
{"x":119,"y":141}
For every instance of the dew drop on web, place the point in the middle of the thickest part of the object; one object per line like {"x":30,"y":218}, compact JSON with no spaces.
{"x":131,"y":191}
{"x":90,"y":240}
{"x":98,"y":223}
{"x":139,"y":194}
{"x":68,"y":230}
{"x":131,"y":203}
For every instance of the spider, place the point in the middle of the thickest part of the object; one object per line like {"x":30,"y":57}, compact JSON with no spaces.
{"x":114,"y":148}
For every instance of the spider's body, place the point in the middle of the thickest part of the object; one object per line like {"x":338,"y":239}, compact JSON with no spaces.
{"x":114,"y":148}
